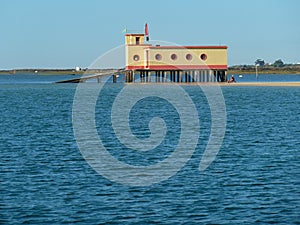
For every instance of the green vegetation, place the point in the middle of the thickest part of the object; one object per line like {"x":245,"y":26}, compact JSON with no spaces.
{"x":278,"y":63}
{"x":278,"y":67}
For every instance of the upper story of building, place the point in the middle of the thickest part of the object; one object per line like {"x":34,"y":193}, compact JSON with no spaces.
{"x":142,"y":56}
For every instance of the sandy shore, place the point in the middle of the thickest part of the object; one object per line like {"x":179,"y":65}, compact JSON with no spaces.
{"x":275,"y":84}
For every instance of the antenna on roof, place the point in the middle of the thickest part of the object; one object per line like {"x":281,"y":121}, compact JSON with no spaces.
{"x":146,"y":32}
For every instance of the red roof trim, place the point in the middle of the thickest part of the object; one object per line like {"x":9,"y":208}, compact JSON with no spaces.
{"x":134,"y":34}
{"x":145,"y":45}
{"x":135,"y":67}
{"x":189,"y":47}
{"x":179,"y":67}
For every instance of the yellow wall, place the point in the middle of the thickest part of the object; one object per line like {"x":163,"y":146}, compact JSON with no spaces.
{"x":135,"y":50}
{"x":214,"y":57}
{"x":130,"y":39}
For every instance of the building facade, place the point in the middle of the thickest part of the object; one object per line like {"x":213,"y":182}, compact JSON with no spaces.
{"x":148,"y":63}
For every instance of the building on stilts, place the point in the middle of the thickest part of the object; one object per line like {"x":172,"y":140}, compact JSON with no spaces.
{"x":148,"y":63}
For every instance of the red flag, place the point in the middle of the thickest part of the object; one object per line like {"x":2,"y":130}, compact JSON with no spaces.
{"x":146,"y":32}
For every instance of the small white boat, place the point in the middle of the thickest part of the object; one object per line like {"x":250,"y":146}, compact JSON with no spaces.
{"x":241,"y":76}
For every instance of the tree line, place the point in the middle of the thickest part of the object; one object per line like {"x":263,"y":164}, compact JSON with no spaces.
{"x":277,"y":63}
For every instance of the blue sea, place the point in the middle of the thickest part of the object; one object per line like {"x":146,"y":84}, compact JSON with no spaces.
{"x":254,"y":179}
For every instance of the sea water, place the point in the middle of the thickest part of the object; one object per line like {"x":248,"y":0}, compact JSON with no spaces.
{"x":253,"y":180}
{"x":43,"y":79}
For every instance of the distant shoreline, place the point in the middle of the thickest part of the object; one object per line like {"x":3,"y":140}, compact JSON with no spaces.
{"x":250,"y":69}
{"x":53,"y":71}
{"x":283,"y":72}
{"x":235,"y":70}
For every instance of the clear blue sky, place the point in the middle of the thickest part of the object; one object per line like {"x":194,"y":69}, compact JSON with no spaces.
{"x":68,"y":33}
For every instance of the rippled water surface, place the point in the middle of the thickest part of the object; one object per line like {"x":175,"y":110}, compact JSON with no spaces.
{"x":254,"y":179}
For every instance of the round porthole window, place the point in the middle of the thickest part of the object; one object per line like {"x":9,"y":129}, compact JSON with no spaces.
{"x":136,"y":57}
{"x":188,"y":56}
{"x":203,"y":57}
{"x":173,"y":56}
{"x":158,"y":57}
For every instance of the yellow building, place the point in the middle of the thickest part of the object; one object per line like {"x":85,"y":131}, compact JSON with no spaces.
{"x":174,"y":63}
